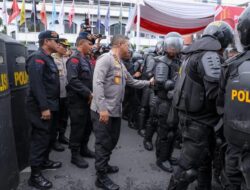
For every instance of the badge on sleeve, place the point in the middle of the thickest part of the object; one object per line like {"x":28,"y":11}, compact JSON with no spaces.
{"x":39,"y":61}
{"x":74,"y":60}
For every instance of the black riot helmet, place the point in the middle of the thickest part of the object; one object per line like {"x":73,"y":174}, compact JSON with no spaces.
{"x":136,"y":56}
{"x":159,"y":48}
{"x":222,"y":31}
{"x":173,"y":40}
{"x":243,"y":28}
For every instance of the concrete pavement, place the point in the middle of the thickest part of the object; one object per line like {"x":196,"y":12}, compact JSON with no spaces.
{"x":138,"y":170}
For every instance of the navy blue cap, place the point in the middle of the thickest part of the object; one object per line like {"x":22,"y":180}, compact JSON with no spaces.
{"x":48,"y":34}
{"x":85,"y":36}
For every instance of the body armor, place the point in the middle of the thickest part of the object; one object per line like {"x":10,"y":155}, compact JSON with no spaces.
{"x":189,"y":94}
{"x":164,"y":75}
{"x":161,"y":75}
{"x":237,"y":103}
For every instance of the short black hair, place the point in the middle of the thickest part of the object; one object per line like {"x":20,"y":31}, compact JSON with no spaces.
{"x":117,"y":39}
{"x":79,"y":41}
{"x":41,"y":42}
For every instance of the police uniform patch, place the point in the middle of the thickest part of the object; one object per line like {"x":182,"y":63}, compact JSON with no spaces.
{"x":39,"y":61}
{"x":74,"y":60}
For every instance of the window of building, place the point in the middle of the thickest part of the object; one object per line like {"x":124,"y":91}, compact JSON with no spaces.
{"x":70,"y":30}
{"x":116,"y":29}
{"x":102,"y":29}
{"x":55,"y":22}
{"x":145,"y":35}
{"x":32,"y":26}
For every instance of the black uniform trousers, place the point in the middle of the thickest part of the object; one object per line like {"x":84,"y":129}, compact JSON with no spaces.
{"x":63,"y":116}
{"x":106,"y":136}
{"x":165,"y":134}
{"x":196,"y":155}
{"x":152,"y":121}
{"x":232,"y":168}
{"x":131,"y":104}
{"x":81,"y":127}
{"x":42,"y":135}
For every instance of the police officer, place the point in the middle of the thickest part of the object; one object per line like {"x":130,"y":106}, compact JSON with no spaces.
{"x":148,"y":56}
{"x":147,"y":73}
{"x":110,"y":78}
{"x":79,"y":92}
{"x":233,"y":100}
{"x":131,"y":101}
{"x":195,"y":95}
{"x":42,"y":107}
{"x":165,"y":74}
{"x":152,"y":122}
{"x":60,"y":58}
{"x":159,"y":48}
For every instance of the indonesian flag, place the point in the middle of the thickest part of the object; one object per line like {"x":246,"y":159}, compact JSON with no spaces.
{"x":43,"y":14}
{"x":14,"y":11}
{"x":71,"y":13}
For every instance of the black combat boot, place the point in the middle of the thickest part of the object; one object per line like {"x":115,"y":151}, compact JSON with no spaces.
{"x":50,"y":165}
{"x":141,"y":122}
{"x":131,"y":125}
{"x":142,"y":132}
{"x":58,"y":147}
{"x":78,"y":160}
{"x":148,"y":145}
{"x":62,"y":139}
{"x":37,"y":180}
{"x":151,"y":126}
{"x":86,"y":152}
{"x":112,"y":169}
{"x":175,"y":184}
{"x":103,"y":181}
{"x":165,"y":165}
{"x":174,"y":161}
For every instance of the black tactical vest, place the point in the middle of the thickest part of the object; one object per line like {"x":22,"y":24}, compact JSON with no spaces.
{"x":188,"y":95}
{"x":237,"y":102}
{"x":161,"y":74}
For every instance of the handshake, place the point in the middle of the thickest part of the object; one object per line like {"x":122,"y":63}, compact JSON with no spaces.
{"x":152,"y":81}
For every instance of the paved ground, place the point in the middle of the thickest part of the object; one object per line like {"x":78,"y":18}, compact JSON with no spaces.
{"x":138,"y":170}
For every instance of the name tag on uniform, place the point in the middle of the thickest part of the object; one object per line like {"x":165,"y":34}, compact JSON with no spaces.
{"x":117,"y":78}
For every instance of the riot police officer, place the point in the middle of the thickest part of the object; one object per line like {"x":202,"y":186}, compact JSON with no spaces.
{"x":131,"y":101}
{"x":42,"y":107}
{"x":79,"y":92}
{"x":195,"y":95}
{"x":165,"y":74}
{"x":147,"y":73}
{"x":152,"y":122}
{"x":233,"y":100}
{"x":159,"y":48}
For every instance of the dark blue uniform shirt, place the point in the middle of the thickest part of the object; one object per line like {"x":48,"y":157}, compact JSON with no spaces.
{"x":80,"y":76}
{"x":44,"y":88}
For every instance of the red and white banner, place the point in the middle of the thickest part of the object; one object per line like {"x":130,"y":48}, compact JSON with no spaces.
{"x":164,"y":16}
